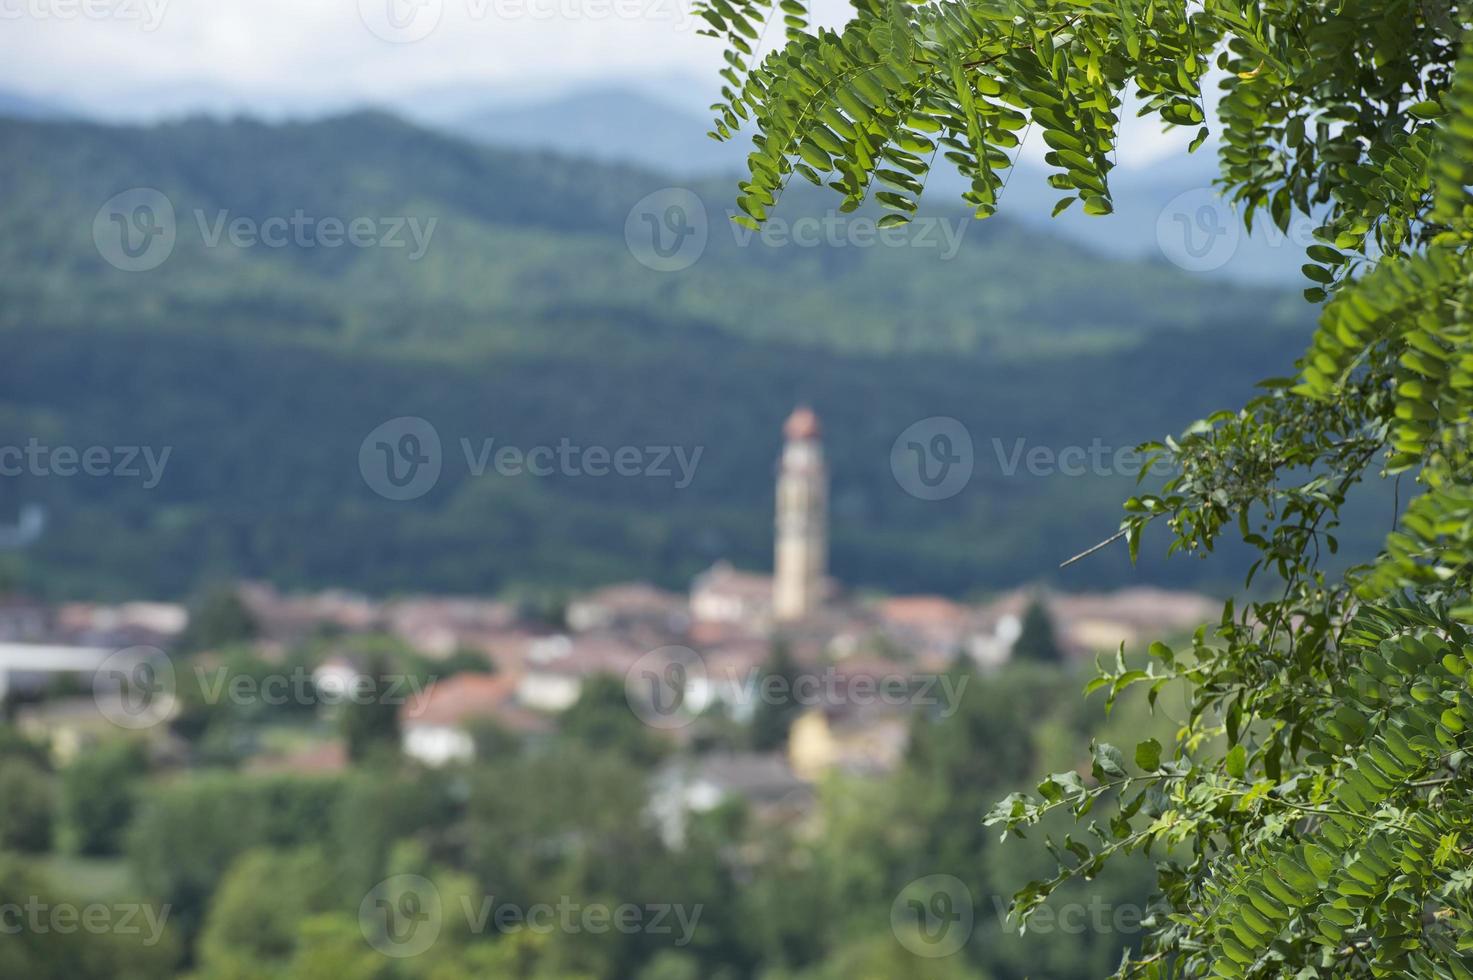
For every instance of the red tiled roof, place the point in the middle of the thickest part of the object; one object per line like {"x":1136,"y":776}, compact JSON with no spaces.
{"x":922,"y":610}
{"x":464,"y":696}
{"x":802,"y":424}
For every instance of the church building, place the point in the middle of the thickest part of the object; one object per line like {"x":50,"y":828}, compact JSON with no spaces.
{"x":801,"y":553}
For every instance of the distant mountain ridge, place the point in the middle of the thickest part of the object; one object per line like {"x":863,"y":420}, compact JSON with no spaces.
{"x":609,"y":125}
{"x":660,"y":124}
{"x":538,"y":315}
{"x":620,"y":125}
{"x":18,"y":105}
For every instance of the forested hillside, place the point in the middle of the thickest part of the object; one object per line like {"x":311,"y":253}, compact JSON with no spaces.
{"x":529,"y":320}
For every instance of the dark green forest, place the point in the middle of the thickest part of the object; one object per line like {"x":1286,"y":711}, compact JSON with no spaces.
{"x":529,"y":321}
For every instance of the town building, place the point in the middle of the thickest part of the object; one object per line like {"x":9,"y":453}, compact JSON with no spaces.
{"x":800,"y":554}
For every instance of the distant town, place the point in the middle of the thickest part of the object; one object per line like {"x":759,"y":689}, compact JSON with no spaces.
{"x":859,"y":666}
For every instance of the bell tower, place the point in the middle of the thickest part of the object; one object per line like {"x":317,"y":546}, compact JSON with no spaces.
{"x":801,"y":553}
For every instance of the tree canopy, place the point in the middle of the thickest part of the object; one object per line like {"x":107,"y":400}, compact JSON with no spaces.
{"x":1313,"y":816}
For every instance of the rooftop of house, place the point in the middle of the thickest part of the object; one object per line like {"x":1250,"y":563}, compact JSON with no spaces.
{"x":1142,"y":607}
{"x":634,"y":597}
{"x":322,"y":758}
{"x":723,"y":577}
{"x":585,"y":654}
{"x":450,"y":611}
{"x":922,"y":610}
{"x":458,"y":699}
{"x":747,"y":774}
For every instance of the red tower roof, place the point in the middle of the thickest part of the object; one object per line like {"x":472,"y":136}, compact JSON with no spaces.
{"x":802,"y":424}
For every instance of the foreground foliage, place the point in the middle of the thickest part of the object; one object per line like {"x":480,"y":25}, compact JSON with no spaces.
{"x":256,"y":875}
{"x":1313,"y":817}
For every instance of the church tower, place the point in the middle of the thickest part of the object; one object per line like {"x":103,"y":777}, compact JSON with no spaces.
{"x":802,"y":520}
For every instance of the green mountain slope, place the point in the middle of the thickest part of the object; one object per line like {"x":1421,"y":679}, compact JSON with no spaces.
{"x":530,"y":320}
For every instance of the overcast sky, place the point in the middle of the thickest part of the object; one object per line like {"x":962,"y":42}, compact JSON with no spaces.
{"x":144,"y":58}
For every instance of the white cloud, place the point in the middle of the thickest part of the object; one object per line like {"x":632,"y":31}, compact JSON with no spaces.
{"x":102,"y":53}
{"x":144,"y":58}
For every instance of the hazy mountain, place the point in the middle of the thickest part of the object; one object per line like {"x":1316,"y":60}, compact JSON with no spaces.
{"x":18,"y":105}
{"x":1158,"y":208}
{"x":525,"y":298}
{"x":614,"y":125}
{"x":1164,"y":212}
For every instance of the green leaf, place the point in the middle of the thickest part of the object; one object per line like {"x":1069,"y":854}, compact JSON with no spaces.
{"x":1237,"y":761}
{"x":1108,"y":762}
{"x":1148,"y":755}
